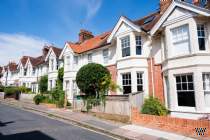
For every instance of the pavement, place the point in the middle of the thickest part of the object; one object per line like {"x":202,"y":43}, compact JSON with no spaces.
{"x":109,"y":128}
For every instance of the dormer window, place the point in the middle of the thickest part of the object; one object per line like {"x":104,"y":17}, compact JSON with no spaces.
{"x":90,"y":58}
{"x":138,"y":45}
{"x":201,"y":37}
{"x":125,"y":44}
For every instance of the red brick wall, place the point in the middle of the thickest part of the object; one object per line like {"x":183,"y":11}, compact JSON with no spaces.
{"x":158,"y":80}
{"x":113,"y":70}
{"x":167,"y":123}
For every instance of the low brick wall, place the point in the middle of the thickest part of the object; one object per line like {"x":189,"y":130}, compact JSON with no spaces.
{"x":170,"y":124}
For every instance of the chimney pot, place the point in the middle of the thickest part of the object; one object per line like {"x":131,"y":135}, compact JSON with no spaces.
{"x":84,"y":35}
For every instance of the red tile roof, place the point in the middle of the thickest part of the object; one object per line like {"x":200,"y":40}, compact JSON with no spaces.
{"x":90,"y":44}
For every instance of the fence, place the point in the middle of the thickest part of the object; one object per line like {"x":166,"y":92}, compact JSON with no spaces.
{"x":115,"y":104}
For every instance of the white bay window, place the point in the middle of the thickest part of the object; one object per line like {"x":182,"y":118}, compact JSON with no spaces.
{"x":180,"y":40}
{"x":206,"y":88}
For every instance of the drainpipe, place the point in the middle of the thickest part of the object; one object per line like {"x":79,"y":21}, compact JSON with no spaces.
{"x":151,"y":67}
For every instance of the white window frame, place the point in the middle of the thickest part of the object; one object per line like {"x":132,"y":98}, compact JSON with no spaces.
{"x":140,"y":80}
{"x":67,"y":60}
{"x":106,"y":56}
{"x":182,"y":89}
{"x":90,"y":58}
{"x":76,"y":60}
{"x":125,"y":44}
{"x":205,"y":34}
{"x":179,"y":37}
{"x":138,"y":39}
{"x":206,"y":91}
{"x":127,"y":81}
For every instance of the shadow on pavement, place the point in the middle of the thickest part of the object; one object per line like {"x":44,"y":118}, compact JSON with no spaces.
{"x":34,"y":135}
{"x":2,"y":124}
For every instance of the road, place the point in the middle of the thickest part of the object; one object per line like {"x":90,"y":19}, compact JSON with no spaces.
{"x":16,"y":124}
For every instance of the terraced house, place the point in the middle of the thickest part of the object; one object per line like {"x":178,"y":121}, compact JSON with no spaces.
{"x":164,"y":54}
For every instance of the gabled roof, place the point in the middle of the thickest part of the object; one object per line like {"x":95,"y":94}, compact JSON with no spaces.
{"x":90,"y":44}
{"x":23,"y":60}
{"x":55,"y":50}
{"x":35,"y":61}
{"x":12,"y":66}
{"x":176,"y":3}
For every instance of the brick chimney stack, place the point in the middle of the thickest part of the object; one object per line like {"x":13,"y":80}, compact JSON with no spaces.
{"x":196,"y":2}
{"x":84,"y":35}
{"x":164,"y":4}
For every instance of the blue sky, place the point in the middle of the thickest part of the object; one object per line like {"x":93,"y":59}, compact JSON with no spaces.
{"x":58,"y":21}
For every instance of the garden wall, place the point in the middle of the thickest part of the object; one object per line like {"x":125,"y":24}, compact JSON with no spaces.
{"x":167,"y":123}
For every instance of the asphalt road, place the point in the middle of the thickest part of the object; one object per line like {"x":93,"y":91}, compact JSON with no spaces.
{"x":16,"y":124}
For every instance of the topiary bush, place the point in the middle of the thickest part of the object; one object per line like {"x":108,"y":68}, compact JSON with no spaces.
{"x":39,"y":99}
{"x":153,"y":106}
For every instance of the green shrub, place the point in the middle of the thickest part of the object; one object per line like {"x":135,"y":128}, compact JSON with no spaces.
{"x":11,"y":90}
{"x":1,"y":88}
{"x":153,"y":106}
{"x":39,"y":99}
{"x":24,"y":89}
{"x":43,"y":84}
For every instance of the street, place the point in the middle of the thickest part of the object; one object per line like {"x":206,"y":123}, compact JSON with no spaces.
{"x":16,"y":124}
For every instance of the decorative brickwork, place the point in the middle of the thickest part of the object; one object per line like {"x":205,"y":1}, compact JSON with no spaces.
{"x":158,"y":80}
{"x":170,"y":124}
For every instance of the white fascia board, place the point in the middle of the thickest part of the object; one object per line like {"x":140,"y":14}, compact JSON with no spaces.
{"x":171,"y":8}
{"x":119,"y":23}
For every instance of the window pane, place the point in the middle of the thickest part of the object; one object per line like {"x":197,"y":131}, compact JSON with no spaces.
{"x":180,"y":40}
{"x":185,"y":90}
{"x":201,"y":42}
{"x":201,"y":36}
{"x":186,"y":99}
{"x":138,"y":45}
{"x":125,"y":44}
{"x":126,"y":82}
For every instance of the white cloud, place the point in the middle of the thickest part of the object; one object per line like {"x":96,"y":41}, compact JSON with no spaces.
{"x":13,"y":46}
{"x":91,"y":6}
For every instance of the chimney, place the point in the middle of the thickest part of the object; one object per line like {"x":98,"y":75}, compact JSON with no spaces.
{"x":84,"y":35}
{"x":164,"y":4}
{"x":196,"y":2}
{"x":45,"y":50}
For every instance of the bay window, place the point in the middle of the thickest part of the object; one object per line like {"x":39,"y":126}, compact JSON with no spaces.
{"x":206,"y":88}
{"x":125,"y":44}
{"x":201,"y":37}
{"x":180,"y":40}
{"x":185,"y":90}
{"x":138,"y":45}
{"x":126,"y":83}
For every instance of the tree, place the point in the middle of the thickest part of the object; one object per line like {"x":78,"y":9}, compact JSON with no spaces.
{"x":43,"y":84}
{"x":95,"y":81}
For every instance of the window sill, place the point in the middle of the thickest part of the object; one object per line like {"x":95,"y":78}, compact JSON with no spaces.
{"x":132,"y":57}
